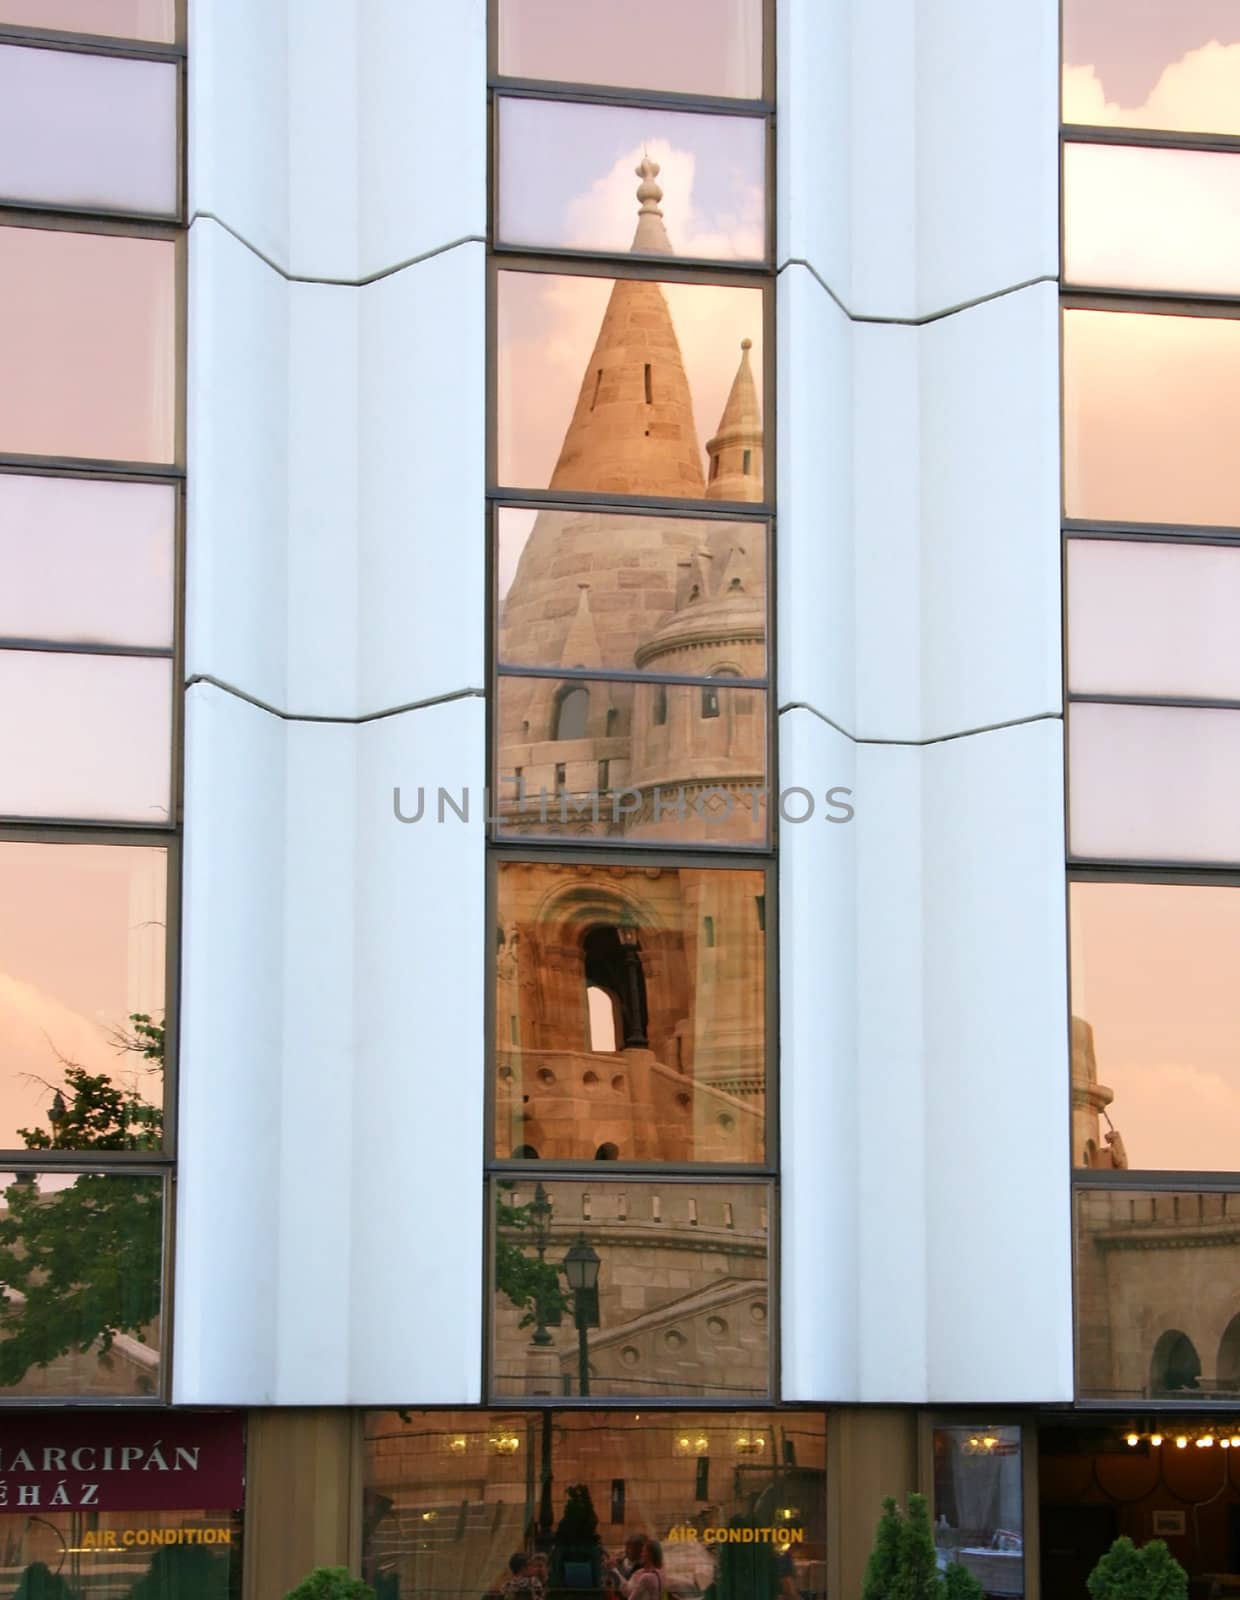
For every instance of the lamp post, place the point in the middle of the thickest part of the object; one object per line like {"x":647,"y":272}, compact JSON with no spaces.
{"x":581,"y":1266}
{"x":540,"y":1218}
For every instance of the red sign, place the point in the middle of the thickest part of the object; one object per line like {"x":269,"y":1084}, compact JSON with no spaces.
{"x":122,"y":1461}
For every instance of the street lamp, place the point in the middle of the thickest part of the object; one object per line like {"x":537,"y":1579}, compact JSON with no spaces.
{"x":581,"y":1266}
{"x":540,"y":1219}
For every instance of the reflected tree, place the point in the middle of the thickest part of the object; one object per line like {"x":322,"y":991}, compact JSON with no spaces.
{"x":82,"y":1264}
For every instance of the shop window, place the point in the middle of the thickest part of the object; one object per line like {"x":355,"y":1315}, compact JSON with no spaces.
{"x":451,"y":1496}
{"x":979,"y":1504}
{"x":147,"y":1506}
{"x":610,"y":958}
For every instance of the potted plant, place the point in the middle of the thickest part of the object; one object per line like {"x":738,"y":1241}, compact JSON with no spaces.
{"x":904,"y":1564}
{"x":1129,"y":1573}
{"x":331,"y":1583}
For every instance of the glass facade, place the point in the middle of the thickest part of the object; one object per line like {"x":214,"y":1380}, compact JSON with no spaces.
{"x":91,"y":491}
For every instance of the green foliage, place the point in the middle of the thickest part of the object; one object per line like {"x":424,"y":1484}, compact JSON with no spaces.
{"x":531,"y":1284}
{"x":331,"y":1583}
{"x":1129,"y":1573}
{"x":880,"y":1570}
{"x":184,"y":1572}
{"x":903,"y":1564}
{"x":960,"y":1584}
{"x":39,"y":1582}
{"x":917,"y":1575}
{"x":81,"y":1264}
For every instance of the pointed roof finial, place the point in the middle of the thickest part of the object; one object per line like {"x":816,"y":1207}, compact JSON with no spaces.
{"x":651,"y":234}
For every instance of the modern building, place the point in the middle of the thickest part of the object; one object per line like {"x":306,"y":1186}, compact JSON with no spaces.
{"x":619,"y":886}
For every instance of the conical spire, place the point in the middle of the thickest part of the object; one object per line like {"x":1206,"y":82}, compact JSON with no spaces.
{"x":581,"y":647}
{"x":651,"y":235}
{"x":736,"y":450}
{"x":632,"y":430}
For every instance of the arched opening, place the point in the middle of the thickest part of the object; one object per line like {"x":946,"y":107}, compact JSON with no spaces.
{"x":602,"y":1006}
{"x":1175,"y":1363}
{"x":525,"y":1152}
{"x":613,"y":964}
{"x":572,"y":712}
{"x":607,"y":1152}
{"x":710,"y":695}
{"x":1229,"y":1355}
{"x":660,"y":705}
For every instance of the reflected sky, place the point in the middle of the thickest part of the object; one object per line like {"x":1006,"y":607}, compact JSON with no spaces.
{"x":1147,"y":64}
{"x":567,"y":177}
{"x":1154,"y":973}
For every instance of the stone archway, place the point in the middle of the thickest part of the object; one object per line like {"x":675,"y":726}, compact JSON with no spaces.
{"x":1228,"y":1367}
{"x":1175,"y":1364}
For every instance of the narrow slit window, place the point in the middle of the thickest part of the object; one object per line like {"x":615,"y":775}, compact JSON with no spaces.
{"x":646,"y":369}
{"x":598,"y":378}
{"x":746,"y":457}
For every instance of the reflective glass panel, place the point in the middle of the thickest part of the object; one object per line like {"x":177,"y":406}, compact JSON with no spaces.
{"x":1152,"y":65}
{"x":88,"y":329}
{"x":1156,"y":1308}
{"x":81,"y":1269}
{"x":152,"y":20}
{"x":1148,"y":409}
{"x":86,"y":562}
{"x":626,"y":386}
{"x":1156,"y":1026}
{"x":679,"y":1303}
{"x":85,"y":736}
{"x":88,"y":1549}
{"x":597,"y":589}
{"x":453,"y":1494}
{"x":1147,"y":618}
{"x":630,"y":1007}
{"x":670,"y":763}
{"x":1111,"y":192}
{"x":978,"y":1504}
{"x":1154,"y":783}
{"x":566,"y":178}
{"x":706,"y":47}
{"x":82,"y":932}
{"x":88,"y":131}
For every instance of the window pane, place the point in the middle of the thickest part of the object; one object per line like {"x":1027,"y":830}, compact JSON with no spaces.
{"x":86,"y":562}
{"x":1152,"y":66}
{"x":691,"y":46}
{"x":1153,"y":1303}
{"x":82,"y":931}
{"x":475,"y":1485}
{"x":612,"y":385}
{"x":88,"y":327}
{"x":79,"y":130}
{"x":665,"y":762}
{"x":1112,"y":191}
{"x":1154,"y":783}
{"x":680,"y":1304}
{"x":1153,"y":619}
{"x":85,"y":736}
{"x":1148,"y":408}
{"x":1156,"y":1026}
{"x":630,"y":1008}
{"x":81,"y":1267}
{"x":566,"y":178}
{"x":593,"y":589}
{"x":153,"y":20}
{"x":978,"y":1504}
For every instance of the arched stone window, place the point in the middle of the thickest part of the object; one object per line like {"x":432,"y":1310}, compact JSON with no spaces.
{"x":572,"y":712}
{"x":660,"y":705}
{"x":1175,"y":1363}
{"x":614,"y":966}
{"x":710,"y":695}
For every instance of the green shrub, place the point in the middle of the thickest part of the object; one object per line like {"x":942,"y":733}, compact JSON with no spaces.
{"x":903,"y":1564}
{"x":331,"y":1583}
{"x":1150,"y":1573}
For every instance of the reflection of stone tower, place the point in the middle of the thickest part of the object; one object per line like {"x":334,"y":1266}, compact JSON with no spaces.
{"x":583,"y":576}
{"x":1090,"y":1147}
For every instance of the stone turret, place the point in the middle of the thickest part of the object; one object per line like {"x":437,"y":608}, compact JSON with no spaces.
{"x":736,"y":450}
{"x":632,"y":430}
